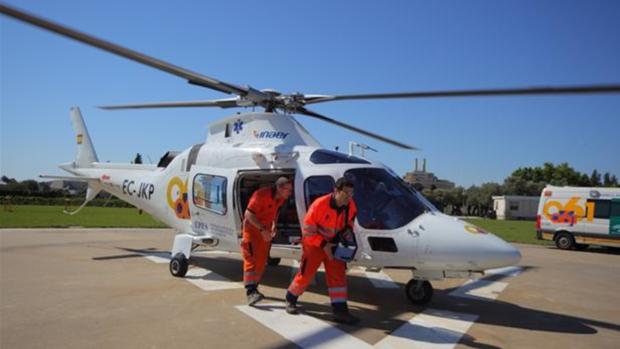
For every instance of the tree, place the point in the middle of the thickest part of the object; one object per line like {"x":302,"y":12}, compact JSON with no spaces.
{"x":595,"y":178}
{"x":8,"y":180}
{"x":138,"y":159}
{"x":607,"y":179}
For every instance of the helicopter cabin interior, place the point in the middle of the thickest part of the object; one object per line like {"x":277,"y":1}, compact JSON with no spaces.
{"x":288,"y":226}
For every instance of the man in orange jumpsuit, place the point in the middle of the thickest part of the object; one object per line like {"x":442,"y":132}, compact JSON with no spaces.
{"x":329,"y":219}
{"x":259,"y":227}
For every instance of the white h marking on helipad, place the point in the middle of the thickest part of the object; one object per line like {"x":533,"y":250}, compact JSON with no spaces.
{"x":157,"y":257}
{"x":480,"y":289}
{"x":430,"y":329}
{"x":210,"y":281}
{"x":205,"y":279}
{"x":379,"y":279}
{"x":507,"y":271}
{"x":486,"y":289}
{"x":303,"y":330}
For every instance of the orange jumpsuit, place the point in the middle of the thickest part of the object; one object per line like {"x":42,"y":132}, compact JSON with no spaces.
{"x":254,"y":248}
{"x":321,"y":224}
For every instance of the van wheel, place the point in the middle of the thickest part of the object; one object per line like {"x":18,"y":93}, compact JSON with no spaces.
{"x":581,"y":247}
{"x":564,"y":241}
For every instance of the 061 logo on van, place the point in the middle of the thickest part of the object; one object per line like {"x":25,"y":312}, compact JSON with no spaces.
{"x":569,"y":213}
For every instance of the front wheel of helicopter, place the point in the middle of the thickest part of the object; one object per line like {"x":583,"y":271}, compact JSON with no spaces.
{"x":419,"y":292}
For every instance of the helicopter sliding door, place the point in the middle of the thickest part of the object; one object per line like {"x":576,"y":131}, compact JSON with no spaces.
{"x":212,"y":207}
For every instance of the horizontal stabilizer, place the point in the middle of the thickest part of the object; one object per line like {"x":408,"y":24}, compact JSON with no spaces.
{"x":70,"y":178}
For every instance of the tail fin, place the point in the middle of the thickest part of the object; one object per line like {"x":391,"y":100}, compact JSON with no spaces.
{"x":85,"y":151}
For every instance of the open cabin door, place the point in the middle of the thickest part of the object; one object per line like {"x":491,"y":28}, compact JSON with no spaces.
{"x":212,"y":207}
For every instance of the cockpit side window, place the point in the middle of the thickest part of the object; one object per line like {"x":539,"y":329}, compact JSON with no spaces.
{"x":317,"y":186}
{"x":383,"y":202}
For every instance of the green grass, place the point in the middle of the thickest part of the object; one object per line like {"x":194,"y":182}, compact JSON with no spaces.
{"x":108,"y":217}
{"x":32,"y":216}
{"x":514,"y":231}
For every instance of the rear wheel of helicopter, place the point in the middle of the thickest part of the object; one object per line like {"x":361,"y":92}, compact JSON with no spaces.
{"x":178,"y":265}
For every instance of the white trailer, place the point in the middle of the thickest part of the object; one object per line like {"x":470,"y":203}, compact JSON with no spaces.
{"x":515,"y":207}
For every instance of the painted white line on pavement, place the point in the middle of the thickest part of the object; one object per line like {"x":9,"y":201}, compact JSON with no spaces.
{"x":203,"y":278}
{"x":157,"y":257}
{"x":303,"y":330}
{"x":480,"y":289}
{"x":506,"y":271}
{"x":210,"y":281}
{"x":430,"y":329}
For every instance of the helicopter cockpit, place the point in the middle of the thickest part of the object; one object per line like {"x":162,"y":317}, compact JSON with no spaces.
{"x":383,"y":201}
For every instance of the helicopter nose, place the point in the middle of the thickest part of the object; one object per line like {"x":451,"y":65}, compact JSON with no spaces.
{"x":495,"y":253}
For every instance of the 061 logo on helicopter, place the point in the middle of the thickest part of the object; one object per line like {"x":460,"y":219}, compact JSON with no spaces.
{"x":176,"y":195}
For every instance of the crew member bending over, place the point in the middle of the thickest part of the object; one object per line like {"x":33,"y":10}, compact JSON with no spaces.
{"x":259,"y":227}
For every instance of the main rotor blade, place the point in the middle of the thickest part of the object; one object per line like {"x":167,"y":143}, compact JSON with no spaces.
{"x":307,"y":112}
{"x":192,"y":77}
{"x":310,"y":99}
{"x":221,"y":103}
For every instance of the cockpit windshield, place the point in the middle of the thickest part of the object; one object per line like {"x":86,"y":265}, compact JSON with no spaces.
{"x":383,"y":201}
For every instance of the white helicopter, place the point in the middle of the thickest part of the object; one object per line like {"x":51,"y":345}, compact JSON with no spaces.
{"x":202,"y":192}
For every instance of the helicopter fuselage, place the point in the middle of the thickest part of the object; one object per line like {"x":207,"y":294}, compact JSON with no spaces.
{"x":203,"y":191}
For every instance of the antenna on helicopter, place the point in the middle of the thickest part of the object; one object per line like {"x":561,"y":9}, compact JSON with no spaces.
{"x":362,"y":147}
{"x":272,"y":100}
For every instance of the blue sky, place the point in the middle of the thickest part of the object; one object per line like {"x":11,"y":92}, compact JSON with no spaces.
{"x":328,"y":47}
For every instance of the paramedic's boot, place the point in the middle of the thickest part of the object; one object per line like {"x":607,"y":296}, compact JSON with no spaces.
{"x":254,"y":297}
{"x":291,"y":304}
{"x":342,"y":315}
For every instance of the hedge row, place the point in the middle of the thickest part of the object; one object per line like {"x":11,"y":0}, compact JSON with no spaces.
{"x":72,"y":201}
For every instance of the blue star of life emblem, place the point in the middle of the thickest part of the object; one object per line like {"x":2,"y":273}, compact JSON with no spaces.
{"x":238,"y":126}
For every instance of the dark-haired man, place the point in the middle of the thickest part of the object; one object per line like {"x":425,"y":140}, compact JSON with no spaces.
{"x":329,"y":219}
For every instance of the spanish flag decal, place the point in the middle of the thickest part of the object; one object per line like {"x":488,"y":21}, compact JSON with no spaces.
{"x":79,"y":138}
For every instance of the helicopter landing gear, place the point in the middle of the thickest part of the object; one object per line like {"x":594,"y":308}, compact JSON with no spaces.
{"x":178,"y":265}
{"x":419,"y":292}
{"x":181,"y":250}
{"x":273,"y":262}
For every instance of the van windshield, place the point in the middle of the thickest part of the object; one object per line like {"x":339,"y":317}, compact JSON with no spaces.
{"x":383,"y":201}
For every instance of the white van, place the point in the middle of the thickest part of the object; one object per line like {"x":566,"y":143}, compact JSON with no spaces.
{"x":575,"y":217}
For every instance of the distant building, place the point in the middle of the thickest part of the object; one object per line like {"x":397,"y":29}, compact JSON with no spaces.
{"x":426,"y":180}
{"x":515,"y":207}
